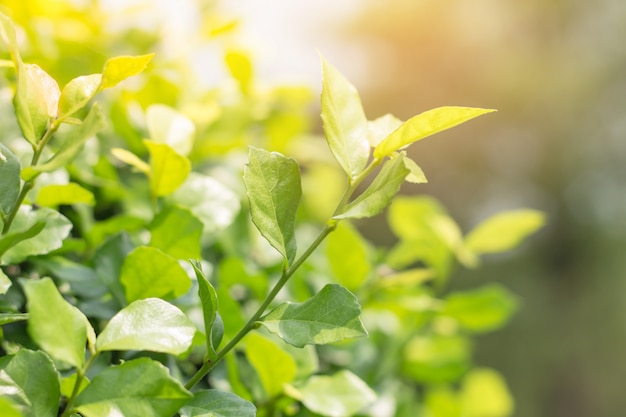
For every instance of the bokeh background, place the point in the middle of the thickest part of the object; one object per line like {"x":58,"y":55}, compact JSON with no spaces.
{"x":555,"y":70}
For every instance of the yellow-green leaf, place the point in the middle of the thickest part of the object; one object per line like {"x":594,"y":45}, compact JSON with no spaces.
{"x":485,"y":394}
{"x":119,"y":68}
{"x":274,"y":366}
{"x":77,"y":93}
{"x":168,"y":169}
{"x":131,"y":159}
{"x":54,"y":195}
{"x":426,"y":124}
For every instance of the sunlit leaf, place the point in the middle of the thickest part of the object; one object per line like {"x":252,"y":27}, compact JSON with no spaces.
{"x":5,"y":282}
{"x":330,"y":316}
{"x":30,"y":382}
{"x":416,"y":175}
{"x":426,"y":124}
{"x":484,"y":393}
{"x":9,"y":240}
{"x":131,"y":159}
{"x":481,"y":310}
{"x":168,"y":169}
{"x":436,"y":359}
{"x":68,"y":383}
{"x":340,"y":395}
{"x":166,"y":125}
{"x":345,"y":124}
{"x":208,"y":301}
{"x":504,"y":231}
{"x":54,"y":324}
{"x":149,"y":272}
{"x":119,"y":68}
{"x":442,"y":401}
{"x":77,"y":93}
{"x":7,"y":409}
{"x":273,"y":365}
{"x":141,"y":387}
{"x":43,"y":239}
{"x":382,"y":127}
{"x":36,"y":101}
{"x":380,"y":192}
{"x":214,"y":403}
{"x":240,"y":67}
{"x":347,"y":255}
{"x":53,"y":195}
{"x":9,"y":179}
{"x":273,"y":185}
{"x":176,"y":232}
{"x":150,"y":324}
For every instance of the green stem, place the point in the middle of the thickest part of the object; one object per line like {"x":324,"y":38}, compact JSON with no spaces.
{"x":80,"y":376}
{"x":287,"y":273}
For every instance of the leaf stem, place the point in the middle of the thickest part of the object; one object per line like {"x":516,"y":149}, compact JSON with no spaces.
{"x":80,"y":376}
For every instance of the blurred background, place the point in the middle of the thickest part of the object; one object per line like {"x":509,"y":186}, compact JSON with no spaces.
{"x":556,"y":72}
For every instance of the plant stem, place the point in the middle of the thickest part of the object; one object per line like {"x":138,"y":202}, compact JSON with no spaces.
{"x":80,"y":376}
{"x":251,"y":324}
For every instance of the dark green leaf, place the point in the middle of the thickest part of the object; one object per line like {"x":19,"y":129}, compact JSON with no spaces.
{"x":141,"y":388}
{"x":273,"y":184}
{"x":213,"y":403}
{"x":380,"y":192}
{"x":55,"y":325}
{"x":29,"y":380}
{"x":150,"y":324}
{"x":345,"y":124}
{"x":149,"y":272}
{"x":9,"y":179}
{"x":330,"y":316}
{"x":208,"y":300}
{"x":176,"y":232}
{"x":108,"y":261}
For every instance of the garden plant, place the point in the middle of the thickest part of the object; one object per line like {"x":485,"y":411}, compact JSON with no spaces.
{"x":155,"y":262}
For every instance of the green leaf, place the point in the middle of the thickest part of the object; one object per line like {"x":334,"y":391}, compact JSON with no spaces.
{"x":348,"y":256}
{"x":69,"y":382}
{"x":53,"y":195}
{"x":504,"y":231}
{"x":274,"y":366}
{"x":436,"y":358}
{"x":9,"y":179}
{"x":131,"y":159}
{"x":426,"y":124}
{"x":208,"y":300}
{"x":273,"y":185}
{"x":108,"y":262}
{"x":11,"y":239}
{"x":442,"y":401}
{"x":6,"y":318}
{"x":140,"y":387}
{"x":77,"y":93}
{"x":36,"y":100}
{"x":73,"y":142}
{"x":28,"y":221}
{"x":55,"y":325}
{"x":29,"y":380}
{"x":119,"y":68}
{"x":481,"y":310}
{"x":150,"y":324}
{"x":382,"y":127}
{"x":176,"y":232}
{"x":240,"y":68}
{"x":149,"y":272}
{"x":330,"y":316}
{"x":168,"y":169}
{"x":340,"y":395}
{"x":7,"y":409}
{"x":345,"y":124}
{"x":380,"y":192}
{"x":484,"y":394}
{"x":213,"y":403}
{"x":5,"y":282}
{"x":416,"y":175}
{"x":166,"y":125}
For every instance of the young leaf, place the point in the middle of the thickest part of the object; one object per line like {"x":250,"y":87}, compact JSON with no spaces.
{"x":345,"y":124}
{"x":166,"y":125}
{"x":119,"y":68}
{"x":168,"y":169}
{"x":9,"y":179}
{"x":214,"y":403}
{"x":481,"y":384}
{"x":141,"y":387}
{"x":347,"y":255}
{"x":42,"y":240}
{"x":273,"y":185}
{"x":340,"y":395}
{"x":131,"y":159}
{"x":208,"y":300}
{"x":30,"y":381}
{"x":481,"y":310}
{"x":53,"y":195}
{"x":149,"y":272}
{"x":380,"y":192}
{"x":55,"y":325}
{"x":77,"y":93}
{"x":426,"y":124}
{"x":382,"y":127}
{"x":330,"y":316}
{"x":274,"y":366}
{"x":436,"y":358}
{"x":416,"y":175}
{"x":36,"y":100}
{"x":150,"y":324}
{"x":176,"y":232}
{"x":12,"y":238}
{"x":240,"y":68}
{"x":504,"y":231}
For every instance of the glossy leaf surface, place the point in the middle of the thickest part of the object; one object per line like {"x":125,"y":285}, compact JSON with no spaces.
{"x":330,"y":316}
{"x":214,"y":403}
{"x":9,"y":179}
{"x":77,"y":93}
{"x":150,"y":324}
{"x":273,"y":186}
{"x":208,"y":300}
